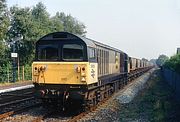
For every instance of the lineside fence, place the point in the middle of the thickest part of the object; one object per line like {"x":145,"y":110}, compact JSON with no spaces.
{"x":22,"y":73}
{"x":173,"y":79}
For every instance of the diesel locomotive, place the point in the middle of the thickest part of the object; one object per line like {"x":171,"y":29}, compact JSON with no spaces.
{"x":72,"y":67}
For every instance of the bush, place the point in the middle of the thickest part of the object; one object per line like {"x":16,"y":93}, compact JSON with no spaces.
{"x":161,"y":60}
{"x":173,"y":63}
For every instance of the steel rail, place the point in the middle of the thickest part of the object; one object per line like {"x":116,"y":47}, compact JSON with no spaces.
{"x":10,"y":113}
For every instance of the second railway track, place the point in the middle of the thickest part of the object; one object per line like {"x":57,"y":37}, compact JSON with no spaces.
{"x":16,"y":101}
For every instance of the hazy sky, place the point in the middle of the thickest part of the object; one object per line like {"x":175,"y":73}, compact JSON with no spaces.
{"x":142,"y":28}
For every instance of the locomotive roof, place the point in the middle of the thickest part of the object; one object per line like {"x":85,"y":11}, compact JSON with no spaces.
{"x":99,"y":44}
{"x":67,"y":35}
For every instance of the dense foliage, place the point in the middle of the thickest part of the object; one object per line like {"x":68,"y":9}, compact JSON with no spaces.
{"x":4,"y":25}
{"x":20,"y":28}
{"x":161,"y":60}
{"x":173,"y":63}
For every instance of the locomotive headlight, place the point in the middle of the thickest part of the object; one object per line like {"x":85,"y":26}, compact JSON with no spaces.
{"x":83,"y":79}
{"x":83,"y":69}
{"x":35,"y":68}
{"x":83,"y":74}
{"x":35,"y":71}
{"x":78,"y":69}
{"x":42,"y":68}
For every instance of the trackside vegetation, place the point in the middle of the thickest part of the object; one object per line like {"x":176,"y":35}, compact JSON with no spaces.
{"x":173,"y":63}
{"x":161,"y":60}
{"x":21,"y":27}
{"x":155,"y":103}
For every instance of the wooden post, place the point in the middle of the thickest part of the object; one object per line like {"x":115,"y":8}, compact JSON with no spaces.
{"x":18,"y":69}
{"x":23,"y":73}
{"x":8,"y":74}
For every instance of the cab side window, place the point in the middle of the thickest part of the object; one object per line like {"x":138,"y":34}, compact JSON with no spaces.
{"x":92,"y":54}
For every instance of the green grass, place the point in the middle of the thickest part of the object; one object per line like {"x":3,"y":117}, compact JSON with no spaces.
{"x":154,"y":103}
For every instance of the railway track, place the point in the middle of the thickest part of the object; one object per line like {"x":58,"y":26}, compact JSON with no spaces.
{"x":81,"y":115}
{"x":66,"y":116}
{"x":94,"y":108}
{"x":18,"y":110}
{"x":15,"y":95}
{"x":73,"y":117}
{"x":16,"y":102}
{"x":42,"y":117}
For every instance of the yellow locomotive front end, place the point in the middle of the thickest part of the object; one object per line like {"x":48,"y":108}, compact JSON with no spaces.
{"x":65,"y":67}
{"x":69,"y":73}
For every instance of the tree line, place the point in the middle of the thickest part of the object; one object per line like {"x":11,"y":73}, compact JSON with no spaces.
{"x":172,"y":63}
{"x":22,"y":27}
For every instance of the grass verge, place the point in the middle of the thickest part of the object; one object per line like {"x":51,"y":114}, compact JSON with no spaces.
{"x":154,"y":103}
